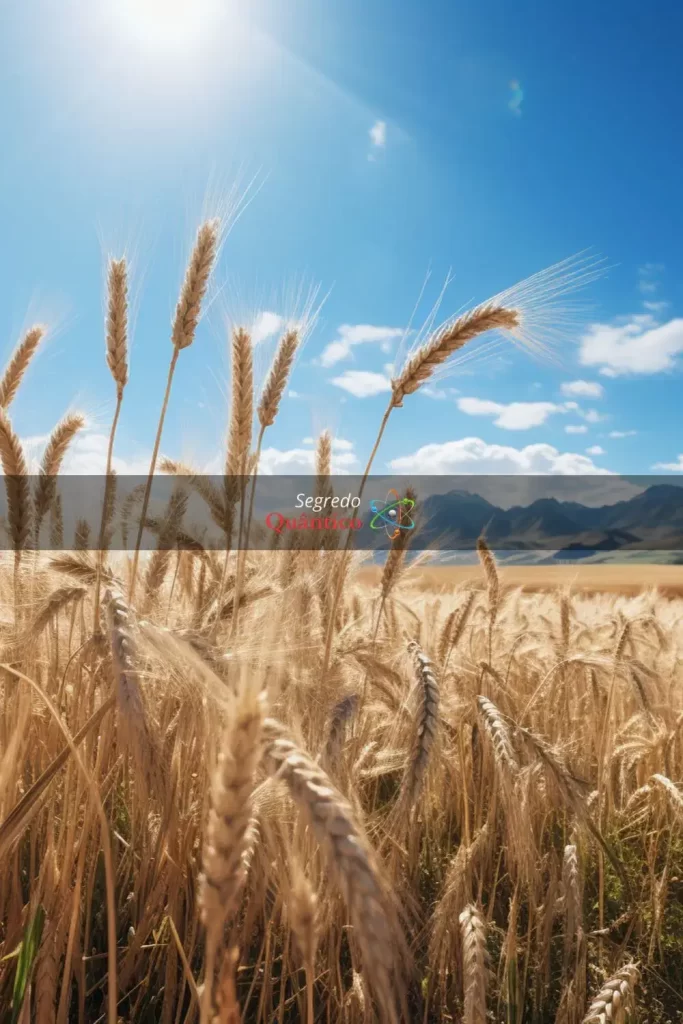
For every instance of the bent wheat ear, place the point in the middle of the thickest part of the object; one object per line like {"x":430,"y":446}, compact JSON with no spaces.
{"x":56,"y":449}
{"x":18,"y":364}
{"x":373,"y":918}
{"x":447,"y":340}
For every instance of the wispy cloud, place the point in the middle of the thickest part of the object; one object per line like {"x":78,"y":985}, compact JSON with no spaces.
{"x":648,"y":277}
{"x":515,"y":416}
{"x":350,"y":335}
{"x":515,"y":102}
{"x":582,"y":389}
{"x":635,"y":345}
{"x":378,"y":134}
{"x":574,"y":428}
{"x":362,"y":383}
{"x":623,"y":433}
{"x":595,"y":449}
{"x":673,"y":467}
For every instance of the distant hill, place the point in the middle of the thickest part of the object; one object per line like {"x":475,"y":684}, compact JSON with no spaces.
{"x":652,"y":520}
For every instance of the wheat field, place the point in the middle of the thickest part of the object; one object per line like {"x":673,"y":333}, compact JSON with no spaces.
{"x":276,"y":787}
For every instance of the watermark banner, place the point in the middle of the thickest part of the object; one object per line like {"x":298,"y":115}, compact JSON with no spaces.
{"x":571,"y":515}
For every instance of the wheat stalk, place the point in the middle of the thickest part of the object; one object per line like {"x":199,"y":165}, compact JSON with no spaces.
{"x":184,"y":326}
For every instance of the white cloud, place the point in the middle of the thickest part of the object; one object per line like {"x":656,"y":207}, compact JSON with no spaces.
{"x":582,"y":389}
{"x":623,"y":433}
{"x":592,"y":416}
{"x":362,"y":383}
{"x":472,"y":455}
{"x":378,"y":134}
{"x":638,"y":344}
{"x":293,"y":461}
{"x":265,"y":326}
{"x":595,"y":449}
{"x":515,"y":416}
{"x":357,"y":334}
{"x":576,"y":429}
{"x":571,"y":405}
{"x":673,"y":467}
{"x":293,"y":394}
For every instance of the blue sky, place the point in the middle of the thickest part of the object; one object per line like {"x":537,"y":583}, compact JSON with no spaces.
{"x":378,"y":141}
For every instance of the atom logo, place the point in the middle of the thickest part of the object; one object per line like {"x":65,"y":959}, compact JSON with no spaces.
{"x":393,"y":515}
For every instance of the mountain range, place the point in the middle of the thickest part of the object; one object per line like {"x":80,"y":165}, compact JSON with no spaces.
{"x":651,"y":520}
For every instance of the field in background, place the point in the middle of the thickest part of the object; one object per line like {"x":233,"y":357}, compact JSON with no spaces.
{"x":608,"y":579}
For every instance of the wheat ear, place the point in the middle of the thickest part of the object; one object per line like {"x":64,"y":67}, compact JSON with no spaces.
{"x":16,"y":484}
{"x":239,"y":443}
{"x":616,"y":999}
{"x":133,"y":719}
{"x":276,"y":382}
{"x":426,"y":722}
{"x":446,"y":341}
{"x":351,"y":861}
{"x":56,"y":449}
{"x":18,"y":364}
{"x":228,"y":835}
{"x":473,"y":932}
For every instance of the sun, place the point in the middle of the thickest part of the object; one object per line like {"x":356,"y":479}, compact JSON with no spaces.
{"x":160,"y":24}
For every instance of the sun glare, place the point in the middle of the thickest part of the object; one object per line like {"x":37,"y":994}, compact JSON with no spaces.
{"x":167,"y":23}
